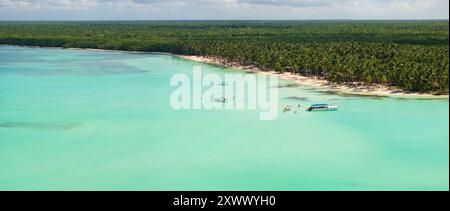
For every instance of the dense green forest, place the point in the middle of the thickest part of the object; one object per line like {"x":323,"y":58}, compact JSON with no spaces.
{"x":412,"y":55}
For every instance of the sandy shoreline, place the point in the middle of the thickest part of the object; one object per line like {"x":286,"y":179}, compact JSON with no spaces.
{"x":375,"y":90}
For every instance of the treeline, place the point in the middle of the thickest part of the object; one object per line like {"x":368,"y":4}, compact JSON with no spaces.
{"x":412,"y":55}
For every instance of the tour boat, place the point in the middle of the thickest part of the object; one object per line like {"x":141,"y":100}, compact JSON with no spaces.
{"x":221,"y":100}
{"x":323,"y":107}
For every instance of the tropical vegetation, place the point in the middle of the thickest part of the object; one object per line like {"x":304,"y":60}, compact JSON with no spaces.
{"x":412,"y":55}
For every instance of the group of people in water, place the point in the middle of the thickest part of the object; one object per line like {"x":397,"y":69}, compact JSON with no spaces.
{"x":290,"y":108}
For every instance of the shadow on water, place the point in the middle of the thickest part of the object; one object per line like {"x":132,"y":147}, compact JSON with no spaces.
{"x":297,"y":98}
{"x":340,"y":99}
{"x":288,"y":86}
{"x":82,"y":73}
{"x":347,"y":96}
{"x":351,"y":95}
{"x":40,"y":125}
{"x":77,"y":69}
{"x":421,"y":99}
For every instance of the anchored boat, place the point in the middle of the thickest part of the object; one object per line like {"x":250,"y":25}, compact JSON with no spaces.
{"x":323,"y":107}
{"x":223,"y":100}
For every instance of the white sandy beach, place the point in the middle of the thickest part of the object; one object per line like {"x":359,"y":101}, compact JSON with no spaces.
{"x":372,"y":90}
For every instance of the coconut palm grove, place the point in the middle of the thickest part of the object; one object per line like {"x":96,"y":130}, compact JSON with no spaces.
{"x":411,"y":55}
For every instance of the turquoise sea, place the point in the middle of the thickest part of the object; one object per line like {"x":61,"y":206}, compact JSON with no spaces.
{"x":96,"y":120}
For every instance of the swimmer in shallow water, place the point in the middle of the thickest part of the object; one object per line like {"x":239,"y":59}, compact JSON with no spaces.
{"x":287,"y":109}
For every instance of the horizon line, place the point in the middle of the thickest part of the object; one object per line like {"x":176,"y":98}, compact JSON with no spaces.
{"x":312,"y":19}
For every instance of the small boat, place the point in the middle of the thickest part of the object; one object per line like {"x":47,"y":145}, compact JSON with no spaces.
{"x":323,"y":107}
{"x":223,"y":100}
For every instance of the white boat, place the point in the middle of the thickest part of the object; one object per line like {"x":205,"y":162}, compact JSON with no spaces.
{"x":323,"y":107}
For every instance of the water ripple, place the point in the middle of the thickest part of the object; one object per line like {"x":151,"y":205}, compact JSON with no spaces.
{"x":40,"y":125}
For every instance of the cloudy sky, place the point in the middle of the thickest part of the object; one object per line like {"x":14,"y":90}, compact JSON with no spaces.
{"x":221,"y":9}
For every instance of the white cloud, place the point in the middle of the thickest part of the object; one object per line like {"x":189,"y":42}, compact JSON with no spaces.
{"x":393,"y":9}
{"x":45,"y":4}
{"x":223,"y":9}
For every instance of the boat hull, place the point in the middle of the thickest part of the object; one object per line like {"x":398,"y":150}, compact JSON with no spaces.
{"x":327,"y":108}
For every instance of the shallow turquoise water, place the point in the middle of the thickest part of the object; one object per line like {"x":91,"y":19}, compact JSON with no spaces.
{"x":84,"y":120}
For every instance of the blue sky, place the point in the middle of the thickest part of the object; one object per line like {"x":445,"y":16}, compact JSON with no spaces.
{"x":221,"y":9}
